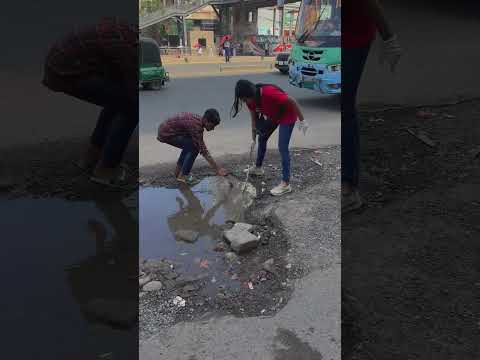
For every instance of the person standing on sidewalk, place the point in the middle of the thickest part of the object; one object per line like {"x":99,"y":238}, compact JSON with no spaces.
{"x":270,"y":107}
{"x":99,"y":65}
{"x":185,"y":131}
{"x":226,"y":49}
{"x":360,"y":22}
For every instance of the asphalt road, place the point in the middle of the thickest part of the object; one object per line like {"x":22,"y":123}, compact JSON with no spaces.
{"x":196,"y":94}
{"x":439,"y":40}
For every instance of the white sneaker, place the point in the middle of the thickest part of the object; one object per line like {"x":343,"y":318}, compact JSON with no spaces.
{"x":257,"y":171}
{"x":280,"y":190}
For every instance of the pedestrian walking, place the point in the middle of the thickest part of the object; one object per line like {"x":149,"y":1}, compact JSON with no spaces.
{"x":361,"y":20}
{"x":185,"y":131}
{"x":270,"y":107}
{"x":99,"y":65}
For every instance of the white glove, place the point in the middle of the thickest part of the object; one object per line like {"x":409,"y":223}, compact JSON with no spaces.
{"x":390,"y":52}
{"x":303,"y":127}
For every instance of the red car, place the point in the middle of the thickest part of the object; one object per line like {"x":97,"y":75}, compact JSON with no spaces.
{"x":282,"y":48}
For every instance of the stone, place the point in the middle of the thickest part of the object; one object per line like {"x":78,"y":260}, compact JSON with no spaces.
{"x":114,"y":312}
{"x":240,"y":238}
{"x":144,"y":280}
{"x":153,"y":286}
{"x":189,"y":288}
{"x":187,"y":235}
{"x":243,"y":227}
{"x":156,"y":265}
{"x":269,"y":266}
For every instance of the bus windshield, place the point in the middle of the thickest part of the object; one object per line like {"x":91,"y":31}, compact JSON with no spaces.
{"x":319,"y":23}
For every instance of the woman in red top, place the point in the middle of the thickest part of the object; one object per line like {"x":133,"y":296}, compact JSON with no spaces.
{"x":361,"y":19}
{"x":270,"y":107}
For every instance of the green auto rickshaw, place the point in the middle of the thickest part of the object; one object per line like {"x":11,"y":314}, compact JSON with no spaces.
{"x":152,"y":73}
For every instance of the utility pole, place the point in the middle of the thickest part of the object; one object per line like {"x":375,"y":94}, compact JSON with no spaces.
{"x":274,"y":19}
{"x":185,"y":42}
{"x":280,"y":7}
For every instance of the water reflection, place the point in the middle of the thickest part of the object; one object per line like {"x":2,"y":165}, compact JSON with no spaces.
{"x":191,"y":215}
{"x":110,"y":273}
{"x":70,"y":254}
{"x":201,"y":210}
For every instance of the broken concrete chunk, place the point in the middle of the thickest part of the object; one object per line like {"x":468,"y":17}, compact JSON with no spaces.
{"x":187,"y":235}
{"x":242,"y":241}
{"x":268,"y":265}
{"x":242,"y":227}
{"x":153,"y":286}
{"x":144,"y":280}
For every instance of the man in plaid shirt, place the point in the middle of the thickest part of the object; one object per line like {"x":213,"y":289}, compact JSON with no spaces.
{"x":100,"y":65}
{"x":185,"y":131}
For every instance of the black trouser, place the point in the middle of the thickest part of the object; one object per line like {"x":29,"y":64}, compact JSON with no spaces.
{"x":117,"y":120}
{"x":353,"y":62}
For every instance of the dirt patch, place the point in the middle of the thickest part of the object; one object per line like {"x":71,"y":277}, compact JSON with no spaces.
{"x":47,"y":170}
{"x":407,"y":256}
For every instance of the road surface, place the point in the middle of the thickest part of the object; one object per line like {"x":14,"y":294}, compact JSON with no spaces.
{"x":196,"y":94}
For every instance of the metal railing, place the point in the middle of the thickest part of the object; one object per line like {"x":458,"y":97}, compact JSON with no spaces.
{"x":185,"y":8}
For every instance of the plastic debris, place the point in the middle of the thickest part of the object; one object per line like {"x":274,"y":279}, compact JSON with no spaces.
{"x":422,"y":136}
{"x":250,"y":285}
{"x":263,"y":311}
{"x":179,"y":301}
{"x":204,"y":264}
{"x":288,"y":266}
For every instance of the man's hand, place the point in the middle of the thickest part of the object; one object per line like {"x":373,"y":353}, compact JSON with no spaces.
{"x":391,"y":52}
{"x":222,"y":172}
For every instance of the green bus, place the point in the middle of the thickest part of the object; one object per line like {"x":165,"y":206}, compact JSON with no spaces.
{"x":315,"y":59}
{"x":152,"y":74}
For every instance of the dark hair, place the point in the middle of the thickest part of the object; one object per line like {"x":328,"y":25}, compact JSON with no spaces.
{"x":243,"y":89}
{"x":212,"y":116}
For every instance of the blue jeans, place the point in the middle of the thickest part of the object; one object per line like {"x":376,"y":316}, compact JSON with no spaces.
{"x":265,"y":129}
{"x":353,"y":63}
{"x":189,"y":152}
{"x":117,"y":120}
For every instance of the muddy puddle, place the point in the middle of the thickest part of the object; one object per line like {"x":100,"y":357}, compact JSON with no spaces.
{"x":184,"y":225}
{"x":58,"y":258}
